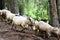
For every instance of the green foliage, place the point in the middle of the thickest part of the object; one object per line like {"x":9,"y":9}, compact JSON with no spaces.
{"x":36,"y":9}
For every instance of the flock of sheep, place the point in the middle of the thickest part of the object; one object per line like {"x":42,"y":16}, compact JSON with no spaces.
{"x":26,"y":22}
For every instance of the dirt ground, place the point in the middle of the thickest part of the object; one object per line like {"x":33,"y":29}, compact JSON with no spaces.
{"x":7,"y":34}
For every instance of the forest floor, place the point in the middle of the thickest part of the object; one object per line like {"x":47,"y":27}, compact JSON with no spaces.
{"x":7,"y":34}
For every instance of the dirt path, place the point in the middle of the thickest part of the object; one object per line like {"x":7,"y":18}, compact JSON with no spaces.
{"x":7,"y":34}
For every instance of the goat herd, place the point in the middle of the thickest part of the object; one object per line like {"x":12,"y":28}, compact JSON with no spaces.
{"x":26,"y":22}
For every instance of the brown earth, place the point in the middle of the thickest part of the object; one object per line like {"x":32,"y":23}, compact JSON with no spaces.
{"x":7,"y":34}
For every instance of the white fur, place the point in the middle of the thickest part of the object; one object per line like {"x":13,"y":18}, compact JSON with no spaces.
{"x":57,"y":31}
{"x":8,"y":14}
{"x":44,"y":27}
{"x":0,"y":12}
{"x":4,"y":11}
{"x":20,"y":20}
{"x":1,"y":15}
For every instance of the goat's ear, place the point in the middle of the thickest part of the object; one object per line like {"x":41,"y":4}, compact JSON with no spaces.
{"x":29,"y":19}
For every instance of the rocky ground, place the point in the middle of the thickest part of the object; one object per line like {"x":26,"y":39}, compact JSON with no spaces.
{"x":7,"y":34}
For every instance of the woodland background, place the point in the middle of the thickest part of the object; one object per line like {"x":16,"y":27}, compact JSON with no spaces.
{"x":46,"y":10}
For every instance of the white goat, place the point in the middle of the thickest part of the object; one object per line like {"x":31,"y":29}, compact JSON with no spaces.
{"x":44,"y":27}
{"x":21,"y":21}
{"x":8,"y":15}
{"x":4,"y":12}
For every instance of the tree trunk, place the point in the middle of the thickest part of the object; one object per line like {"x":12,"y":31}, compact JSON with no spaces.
{"x":21,"y":10}
{"x":53,"y":13}
{"x":21,"y":7}
{"x":58,"y":9}
{"x":13,"y":7}
{"x":2,"y":4}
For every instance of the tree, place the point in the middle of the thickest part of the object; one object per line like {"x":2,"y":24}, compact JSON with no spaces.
{"x":21,"y":9}
{"x":13,"y":7}
{"x":53,"y":17}
{"x":58,"y":9}
{"x":2,"y":4}
{"x":21,"y":5}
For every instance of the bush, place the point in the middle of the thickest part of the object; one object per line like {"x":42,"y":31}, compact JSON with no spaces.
{"x":36,"y":9}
